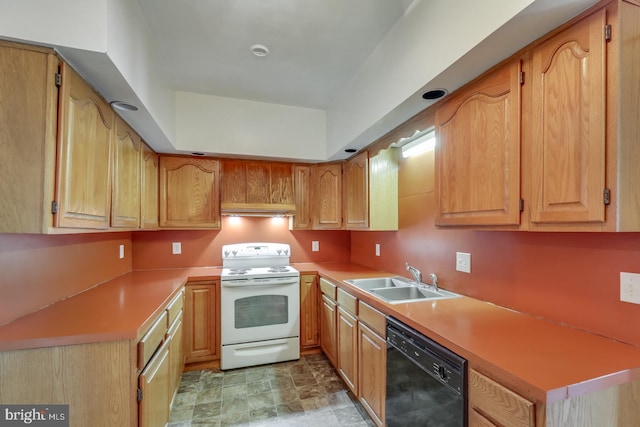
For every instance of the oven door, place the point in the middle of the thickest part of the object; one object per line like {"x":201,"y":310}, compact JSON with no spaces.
{"x":259,"y":309}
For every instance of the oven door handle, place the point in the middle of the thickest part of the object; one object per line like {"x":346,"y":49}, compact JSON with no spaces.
{"x":246,"y":283}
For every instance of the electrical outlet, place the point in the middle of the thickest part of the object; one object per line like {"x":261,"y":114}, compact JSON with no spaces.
{"x":630,"y":287}
{"x":463,"y":262}
{"x":121,"y":251}
{"x":315,"y":246}
{"x":377,"y":249}
{"x":176,"y":248}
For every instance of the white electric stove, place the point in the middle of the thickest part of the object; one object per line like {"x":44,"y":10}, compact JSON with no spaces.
{"x":260,"y":304}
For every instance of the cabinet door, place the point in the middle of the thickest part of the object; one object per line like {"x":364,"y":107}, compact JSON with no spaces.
{"x":328,"y":331}
{"x":309,"y":314}
{"x":348,"y":349}
{"x":201,"y":322}
{"x":85,"y":138}
{"x":176,"y":354}
{"x":154,"y":382}
{"x":125,"y":208}
{"x":189,"y":193}
{"x":28,"y":120}
{"x":327,"y":195}
{"x":478,"y":152}
{"x":302,"y":185}
{"x":281,"y":184}
{"x":149,"y":186}
{"x":372,"y":378}
{"x":568,"y":120}
{"x":383,"y":190}
{"x":356,"y":183}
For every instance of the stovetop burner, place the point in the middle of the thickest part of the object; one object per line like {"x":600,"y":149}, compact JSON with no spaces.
{"x":278,"y":269}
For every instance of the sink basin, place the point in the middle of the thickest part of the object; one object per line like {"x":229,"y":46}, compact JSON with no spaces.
{"x":379,"y":282}
{"x":396,"y":290}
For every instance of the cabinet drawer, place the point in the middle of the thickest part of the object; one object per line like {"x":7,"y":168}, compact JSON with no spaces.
{"x":152,"y":340}
{"x":174,"y":307}
{"x":374,"y":319}
{"x":328,"y":288}
{"x":498,"y":403}
{"x":348,"y":302}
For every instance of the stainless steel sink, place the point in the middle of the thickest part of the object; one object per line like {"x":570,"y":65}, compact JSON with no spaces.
{"x":379,"y":282}
{"x":396,"y":290}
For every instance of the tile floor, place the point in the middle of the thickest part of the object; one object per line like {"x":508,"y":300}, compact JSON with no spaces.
{"x":305,"y":392}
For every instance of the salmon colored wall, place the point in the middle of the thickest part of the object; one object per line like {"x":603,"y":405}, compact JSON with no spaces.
{"x":570,"y":278}
{"x":37,"y":270}
{"x":152,"y":249}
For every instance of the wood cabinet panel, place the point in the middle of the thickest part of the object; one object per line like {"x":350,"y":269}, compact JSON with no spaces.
{"x":568,"y":140}
{"x":28,"y":120}
{"x":383,"y":190}
{"x":348,"y":349}
{"x":327,"y":196}
{"x":85,"y":136}
{"x":478,"y":152}
{"x":149,"y":188}
{"x":189,"y":193}
{"x":155,"y":381}
{"x":126,"y":196}
{"x":477,"y":420}
{"x":150,"y":342}
{"x":498,"y":403}
{"x":356,"y":187}
{"x":257,"y":183}
{"x":309,"y":312}
{"x":302,"y":198}
{"x":372,"y":378}
{"x":176,"y":354}
{"x":328,"y":332}
{"x":201,"y":321}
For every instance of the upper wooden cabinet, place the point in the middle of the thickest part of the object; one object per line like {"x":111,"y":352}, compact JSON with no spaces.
{"x":149,"y":185}
{"x":125,"y":205}
{"x":574,"y":129}
{"x":356,"y":189}
{"x":28,"y":119}
{"x":302,"y":197}
{"x":327,"y":196}
{"x":478,"y":152}
{"x":257,"y":187}
{"x":189,"y":192}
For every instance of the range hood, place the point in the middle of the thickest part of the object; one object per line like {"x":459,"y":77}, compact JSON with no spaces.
{"x":257,"y":209}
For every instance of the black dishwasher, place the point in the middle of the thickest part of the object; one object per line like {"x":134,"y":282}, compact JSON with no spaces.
{"x":426,"y":382}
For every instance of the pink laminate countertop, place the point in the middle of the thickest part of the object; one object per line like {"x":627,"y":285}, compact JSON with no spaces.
{"x":541,"y":360}
{"x":121,"y":308}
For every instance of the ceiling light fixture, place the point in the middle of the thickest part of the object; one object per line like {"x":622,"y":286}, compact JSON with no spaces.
{"x":259,"y":50}
{"x":434,"y":94}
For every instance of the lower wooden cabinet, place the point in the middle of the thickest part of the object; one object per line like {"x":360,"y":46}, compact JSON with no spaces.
{"x":176,"y":354}
{"x":348,"y":348}
{"x":202,"y":321}
{"x":155,"y":392}
{"x":328,"y":335}
{"x":309,"y":312}
{"x":491,"y":404}
{"x":372,"y":361}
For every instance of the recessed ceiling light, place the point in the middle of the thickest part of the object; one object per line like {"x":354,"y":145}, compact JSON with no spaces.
{"x":434,"y":94}
{"x":259,"y":50}
{"x":196,"y":153}
{"x":350,"y":150}
{"x":123,"y":106}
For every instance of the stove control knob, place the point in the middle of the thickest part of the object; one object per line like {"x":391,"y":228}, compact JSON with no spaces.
{"x":279,"y":251}
{"x":234,"y":252}
{"x":226,"y":254}
{"x":286,"y":252}
{"x":442,"y":372}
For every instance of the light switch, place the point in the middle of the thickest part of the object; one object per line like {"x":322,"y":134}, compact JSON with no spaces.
{"x":377,"y":249}
{"x":315,"y":246}
{"x":176,"y":248}
{"x":630,"y":287}
{"x":121,"y":251}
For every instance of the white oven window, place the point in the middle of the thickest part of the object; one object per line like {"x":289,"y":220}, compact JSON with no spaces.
{"x":261,"y":310}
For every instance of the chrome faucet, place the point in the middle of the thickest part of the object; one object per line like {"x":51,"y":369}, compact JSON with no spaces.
{"x":434,"y":281}
{"x":417,"y":274}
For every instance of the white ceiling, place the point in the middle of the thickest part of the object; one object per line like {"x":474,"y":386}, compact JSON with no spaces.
{"x":316,"y":46}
